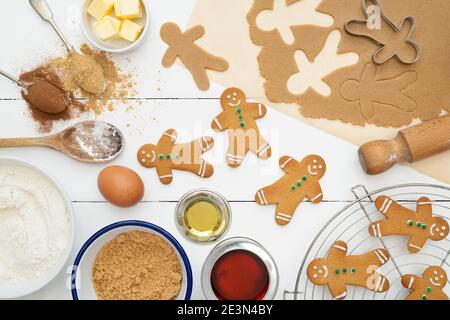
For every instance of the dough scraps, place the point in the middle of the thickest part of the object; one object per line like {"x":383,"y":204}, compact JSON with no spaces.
{"x":403,"y":92}
{"x":194,"y":58}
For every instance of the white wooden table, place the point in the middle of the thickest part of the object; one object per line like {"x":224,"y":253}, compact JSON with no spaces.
{"x":170,"y":99}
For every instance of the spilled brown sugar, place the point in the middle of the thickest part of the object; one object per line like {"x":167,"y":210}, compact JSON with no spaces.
{"x":137,"y":265}
{"x":59,"y":72}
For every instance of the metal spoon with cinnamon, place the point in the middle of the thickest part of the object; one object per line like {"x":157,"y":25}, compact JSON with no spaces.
{"x":86,"y":71}
{"x":42,"y":95}
{"x":87,"y":141}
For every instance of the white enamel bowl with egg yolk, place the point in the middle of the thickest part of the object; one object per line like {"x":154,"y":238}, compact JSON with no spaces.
{"x":17,"y":290}
{"x":114,"y":46}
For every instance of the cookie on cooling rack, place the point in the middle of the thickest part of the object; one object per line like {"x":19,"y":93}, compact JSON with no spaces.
{"x":419,"y":225}
{"x":338,"y":270}
{"x":429,"y":286}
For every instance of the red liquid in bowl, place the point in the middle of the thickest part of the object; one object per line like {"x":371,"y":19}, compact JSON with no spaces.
{"x":240,"y":275}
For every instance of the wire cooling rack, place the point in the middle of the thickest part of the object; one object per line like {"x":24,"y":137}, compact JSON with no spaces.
{"x":351,"y":225}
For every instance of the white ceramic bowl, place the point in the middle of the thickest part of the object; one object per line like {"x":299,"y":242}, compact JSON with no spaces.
{"x":21,"y":289}
{"x":114,"y":46}
{"x":82,"y":286}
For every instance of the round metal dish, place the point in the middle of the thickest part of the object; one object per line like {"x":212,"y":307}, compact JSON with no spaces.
{"x":351,"y":224}
{"x":233,"y":244}
{"x":203,"y":195}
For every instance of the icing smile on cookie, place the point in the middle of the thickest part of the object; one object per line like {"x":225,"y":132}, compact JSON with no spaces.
{"x":238,"y":103}
{"x":436,"y":284}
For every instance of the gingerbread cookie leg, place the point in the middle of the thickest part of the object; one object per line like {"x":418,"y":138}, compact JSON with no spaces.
{"x":237,"y":148}
{"x":285,"y":211}
{"x":164,"y":174}
{"x":262,"y":149}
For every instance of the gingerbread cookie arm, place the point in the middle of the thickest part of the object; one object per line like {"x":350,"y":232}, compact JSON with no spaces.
{"x":255,"y":110}
{"x":382,"y":228}
{"x":416,"y":243}
{"x":377,"y":257}
{"x":269,"y":194}
{"x":424,"y":208}
{"x":314,"y":192}
{"x":169,"y":57}
{"x":338,"y":251}
{"x":289,"y":165}
{"x":221,"y":122}
{"x":411,"y":281}
{"x":338,"y":289}
{"x":167,"y":139}
{"x":164,"y":174}
{"x":194,"y":33}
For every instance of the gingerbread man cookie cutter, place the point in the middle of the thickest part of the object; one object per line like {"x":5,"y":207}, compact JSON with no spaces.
{"x":396,"y":28}
{"x":167,"y":156}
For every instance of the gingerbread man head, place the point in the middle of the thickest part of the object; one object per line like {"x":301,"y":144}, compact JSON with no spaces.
{"x":439,"y":229}
{"x":436,"y":276}
{"x":233,"y":98}
{"x":147,"y":155}
{"x":315,"y":166}
{"x":318,"y":272}
{"x":170,"y":32}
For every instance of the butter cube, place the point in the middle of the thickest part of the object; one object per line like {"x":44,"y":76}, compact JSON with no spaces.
{"x":108,"y":28}
{"x":100,"y":8}
{"x":128,"y":9}
{"x":130,"y":30}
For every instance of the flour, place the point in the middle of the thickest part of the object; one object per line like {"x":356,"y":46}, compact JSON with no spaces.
{"x":35,"y":228}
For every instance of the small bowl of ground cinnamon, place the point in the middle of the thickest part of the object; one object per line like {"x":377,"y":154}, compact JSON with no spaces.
{"x":132,"y":260}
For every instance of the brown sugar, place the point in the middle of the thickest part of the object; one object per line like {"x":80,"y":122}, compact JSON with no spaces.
{"x":87,"y":73}
{"x":137,"y":265}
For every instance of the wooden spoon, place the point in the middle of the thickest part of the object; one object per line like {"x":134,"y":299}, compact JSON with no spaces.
{"x":87,"y":141}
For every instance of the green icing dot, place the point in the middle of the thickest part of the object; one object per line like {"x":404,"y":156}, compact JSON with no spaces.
{"x":418,"y":224}
{"x":424,"y":226}
{"x":161,"y":156}
{"x":293,"y":188}
{"x":238,"y":110}
{"x":428,"y":289}
{"x":168,"y":156}
{"x":353,"y":270}
{"x":337,"y":272}
{"x":242,"y":124}
{"x":305,"y":178}
{"x":344,"y":270}
{"x":241,"y":117}
{"x":410,"y":223}
{"x":299,"y":183}
{"x":424,"y":297}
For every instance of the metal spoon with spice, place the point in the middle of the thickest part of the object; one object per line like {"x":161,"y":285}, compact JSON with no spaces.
{"x":86,"y":71}
{"x":87,"y":141}
{"x":42,"y":95}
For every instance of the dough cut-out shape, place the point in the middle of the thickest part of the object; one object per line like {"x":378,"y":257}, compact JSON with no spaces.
{"x":238,"y":119}
{"x":283,"y":16}
{"x":390,"y":47}
{"x":301,"y":181}
{"x":369,"y":91}
{"x":420,"y":225}
{"x":312,"y":73}
{"x":194,"y":58}
{"x":339,"y":270}
{"x":429,"y":286}
{"x":167,"y":156}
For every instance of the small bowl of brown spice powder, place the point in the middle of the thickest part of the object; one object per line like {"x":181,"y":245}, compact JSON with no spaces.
{"x":132,"y":260}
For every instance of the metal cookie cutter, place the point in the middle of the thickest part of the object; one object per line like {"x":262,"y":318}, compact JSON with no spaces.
{"x":393,"y":26}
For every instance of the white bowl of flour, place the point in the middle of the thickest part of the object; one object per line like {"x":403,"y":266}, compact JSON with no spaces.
{"x":36,"y":228}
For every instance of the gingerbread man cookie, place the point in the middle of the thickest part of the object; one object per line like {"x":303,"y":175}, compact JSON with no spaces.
{"x":420,"y":226}
{"x":300,"y":181}
{"x":238,"y":117}
{"x":194,"y":58}
{"x":338,"y":270}
{"x":167,"y":156}
{"x":430,"y":286}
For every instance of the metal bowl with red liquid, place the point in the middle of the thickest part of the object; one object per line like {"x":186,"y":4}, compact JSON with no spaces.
{"x":239,"y":269}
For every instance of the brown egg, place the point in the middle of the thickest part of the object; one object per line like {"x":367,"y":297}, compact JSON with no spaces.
{"x":121,"y":186}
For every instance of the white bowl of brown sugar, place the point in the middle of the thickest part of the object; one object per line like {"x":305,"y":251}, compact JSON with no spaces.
{"x":132,"y":260}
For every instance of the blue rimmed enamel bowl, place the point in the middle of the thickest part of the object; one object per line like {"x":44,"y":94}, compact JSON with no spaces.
{"x":82,"y":286}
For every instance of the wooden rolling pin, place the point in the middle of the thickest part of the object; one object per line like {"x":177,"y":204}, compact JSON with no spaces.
{"x":410,"y":145}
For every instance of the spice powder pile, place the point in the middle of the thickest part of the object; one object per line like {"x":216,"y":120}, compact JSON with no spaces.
{"x":59,"y":72}
{"x":137,"y":265}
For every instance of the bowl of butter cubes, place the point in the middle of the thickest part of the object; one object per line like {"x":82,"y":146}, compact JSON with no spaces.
{"x":116,"y":26}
